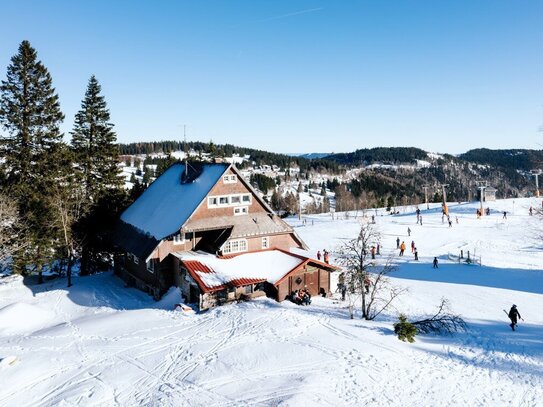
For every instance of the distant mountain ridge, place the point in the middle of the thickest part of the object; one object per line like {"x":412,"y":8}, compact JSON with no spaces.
{"x":517,"y":159}
{"x":310,"y":156}
{"x":394,"y":171}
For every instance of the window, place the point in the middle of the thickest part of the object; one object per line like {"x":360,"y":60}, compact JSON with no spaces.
{"x":249,"y":289}
{"x":229,"y":179}
{"x":228,"y":200}
{"x":179,"y":238}
{"x":235,"y":246}
{"x":265,"y":242}
{"x":151,"y":266}
{"x":134,"y":259}
{"x":241,"y":210}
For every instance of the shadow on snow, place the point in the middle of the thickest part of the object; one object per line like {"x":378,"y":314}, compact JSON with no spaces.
{"x":530,"y":281}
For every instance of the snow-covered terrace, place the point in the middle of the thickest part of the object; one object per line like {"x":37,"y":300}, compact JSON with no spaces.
{"x":215,"y":273}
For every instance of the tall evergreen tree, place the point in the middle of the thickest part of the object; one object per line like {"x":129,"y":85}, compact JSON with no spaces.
{"x":33,"y":150}
{"x":94,"y":145}
{"x":96,"y":156}
{"x":30,"y":113}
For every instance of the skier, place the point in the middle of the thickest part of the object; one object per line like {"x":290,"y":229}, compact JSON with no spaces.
{"x":513,"y":316}
{"x":402,"y":248}
{"x":450,"y":223}
{"x":457,"y":220}
{"x":343,"y":291}
{"x":416,"y":254}
{"x":412,"y":246}
{"x":504,"y":215}
{"x":373,"y":252}
{"x":435,"y":263}
{"x":318,"y":255}
{"x":531,"y":211}
{"x":367,"y":283}
{"x":408,"y":231}
{"x":379,"y":248}
{"x":326,"y":257}
{"x":420,"y":219}
{"x":397,"y":243}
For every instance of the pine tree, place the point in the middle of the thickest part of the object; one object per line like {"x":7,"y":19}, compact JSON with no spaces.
{"x":30,"y":113}
{"x":96,"y":155}
{"x":33,"y":151}
{"x":94,"y":145}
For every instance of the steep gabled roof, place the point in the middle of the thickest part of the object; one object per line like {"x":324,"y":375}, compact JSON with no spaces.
{"x":171,"y":199}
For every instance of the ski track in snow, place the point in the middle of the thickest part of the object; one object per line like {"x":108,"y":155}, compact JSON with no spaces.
{"x":112,"y":346}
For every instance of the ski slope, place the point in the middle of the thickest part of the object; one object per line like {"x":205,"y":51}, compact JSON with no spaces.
{"x":101,"y":344}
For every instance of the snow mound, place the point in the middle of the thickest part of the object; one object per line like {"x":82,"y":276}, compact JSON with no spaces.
{"x":21,"y":317}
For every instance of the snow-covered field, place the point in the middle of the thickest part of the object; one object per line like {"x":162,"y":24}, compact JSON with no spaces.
{"x":102,"y":344}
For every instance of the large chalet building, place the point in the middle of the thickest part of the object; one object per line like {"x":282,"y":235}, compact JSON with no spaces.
{"x":204,"y":229}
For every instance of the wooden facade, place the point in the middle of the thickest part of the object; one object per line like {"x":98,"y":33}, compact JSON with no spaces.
{"x":230,"y":220}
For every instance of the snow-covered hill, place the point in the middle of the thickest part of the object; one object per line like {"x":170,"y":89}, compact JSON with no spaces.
{"x":102,"y":344}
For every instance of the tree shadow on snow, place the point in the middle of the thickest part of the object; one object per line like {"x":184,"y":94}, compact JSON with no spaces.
{"x":98,"y":290}
{"x":530,"y":281}
{"x":492,"y":345}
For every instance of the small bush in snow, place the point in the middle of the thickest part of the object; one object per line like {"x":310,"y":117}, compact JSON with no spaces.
{"x":405,"y":330}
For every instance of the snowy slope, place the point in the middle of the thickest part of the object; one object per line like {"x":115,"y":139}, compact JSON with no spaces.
{"x":100,"y":343}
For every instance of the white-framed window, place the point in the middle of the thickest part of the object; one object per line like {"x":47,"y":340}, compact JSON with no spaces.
{"x":241,"y":210}
{"x":228,"y":200}
{"x":265,"y":242}
{"x":235,"y":246}
{"x":151,"y":266}
{"x":179,"y":238}
{"x":229,"y":179}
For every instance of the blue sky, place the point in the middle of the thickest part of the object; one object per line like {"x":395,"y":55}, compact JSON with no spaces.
{"x":297,"y":76}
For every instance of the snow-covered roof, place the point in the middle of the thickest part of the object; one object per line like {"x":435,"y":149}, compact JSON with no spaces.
{"x":168,"y":202}
{"x":212,"y":272}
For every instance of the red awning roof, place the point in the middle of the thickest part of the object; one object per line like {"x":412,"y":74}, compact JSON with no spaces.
{"x":213,"y":273}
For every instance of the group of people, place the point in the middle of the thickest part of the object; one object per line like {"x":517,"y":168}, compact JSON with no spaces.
{"x":342,"y":286}
{"x":325,"y":256}
{"x":301,"y":297}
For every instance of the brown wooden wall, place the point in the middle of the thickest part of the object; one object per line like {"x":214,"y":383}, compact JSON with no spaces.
{"x":312,"y":278}
{"x":221,"y":188}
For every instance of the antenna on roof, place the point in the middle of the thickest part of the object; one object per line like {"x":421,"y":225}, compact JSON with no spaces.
{"x":195,"y":172}
{"x":186,"y":150}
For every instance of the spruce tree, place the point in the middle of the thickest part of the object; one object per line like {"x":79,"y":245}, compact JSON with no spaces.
{"x":94,"y":145}
{"x":96,"y":156}
{"x":30,"y":114}
{"x":32,"y":147}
